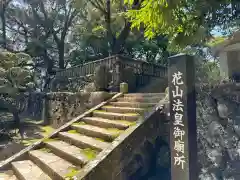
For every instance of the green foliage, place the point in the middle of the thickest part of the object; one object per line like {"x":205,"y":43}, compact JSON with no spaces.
{"x":207,"y":74}
{"x":95,"y":38}
{"x":161,"y":17}
{"x":183,"y":22}
{"x":15,"y":75}
{"x":216,"y":40}
{"x":153,"y":50}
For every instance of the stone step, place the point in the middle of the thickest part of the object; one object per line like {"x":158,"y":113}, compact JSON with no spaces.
{"x":116,"y":109}
{"x":97,"y":132}
{"x":8,"y":175}
{"x":27,"y":170}
{"x":140,"y":99}
{"x":132,"y":104}
{"x":145,"y":95}
{"x":106,"y":123}
{"x":71,"y":153}
{"x":117,"y":116}
{"x":54,"y":166}
{"x":83,"y":141}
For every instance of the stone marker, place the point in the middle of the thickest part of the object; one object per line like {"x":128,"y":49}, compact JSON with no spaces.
{"x":123,"y":87}
{"x":183,"y":136}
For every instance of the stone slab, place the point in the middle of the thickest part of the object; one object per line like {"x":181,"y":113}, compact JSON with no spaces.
{"x":57,"y":167}
{"x":84,"y":141}
{"x":27,"y":170}
{"x":116,"y":109}
{"x":94,"y":131}
{"x":69,"y":152}
{"x":117,"y":116}
{"x":106,"y":123}
{"x":132,"y":104}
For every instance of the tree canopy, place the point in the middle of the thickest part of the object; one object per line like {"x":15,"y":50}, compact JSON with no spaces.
{"x":63,"y":33}
{"x":184,"y":22}
{"x":15,"y":73}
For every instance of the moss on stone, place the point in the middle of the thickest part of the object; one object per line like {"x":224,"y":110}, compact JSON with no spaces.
{"x":89,"y":153}
{"x":127,"y":122}
{"x":79,"y":123}
{"x":45,"y":150}
{"x":28,"y":142}
{"x":71,"y":173}
{"x":47,"y":130}
{"x":108,"y":106}
{"x":99,"y":139}
{"x":72,"y":131}
{"x":132,"y":114}
{"x":50,"y":140}
{"x":133,"y":123}
{"x":115,"y":132}
{"x":99,"y":111}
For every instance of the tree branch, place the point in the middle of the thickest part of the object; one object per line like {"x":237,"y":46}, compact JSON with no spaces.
{"x":98,"y":6}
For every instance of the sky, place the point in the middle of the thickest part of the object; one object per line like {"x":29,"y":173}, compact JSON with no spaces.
{"x":216,"y":33}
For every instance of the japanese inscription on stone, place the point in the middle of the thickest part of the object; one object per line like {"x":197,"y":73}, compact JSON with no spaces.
{"x":183,"y":132}
{"x":178,"y":110}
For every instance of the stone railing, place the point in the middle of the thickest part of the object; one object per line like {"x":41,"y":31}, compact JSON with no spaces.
{"x":142,"y":71}
{"x":139,"y":66}
{"x":86,"y":68}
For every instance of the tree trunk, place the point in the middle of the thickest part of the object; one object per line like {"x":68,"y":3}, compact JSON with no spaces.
{"x":49,"y":72}
{"x":61,"y":62}
{"x":108,"y":24}
{"x":120,"y":41}
{"x":4,"y":43}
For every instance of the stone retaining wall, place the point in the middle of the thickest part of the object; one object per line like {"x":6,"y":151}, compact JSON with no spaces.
{"x":219,"y":133}
{"x":61,"y":107}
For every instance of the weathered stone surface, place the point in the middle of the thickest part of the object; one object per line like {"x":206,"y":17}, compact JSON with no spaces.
{"x":219,"y":134}
{"x":56,"y":167}
{"x":8,"y":175}
{"x":102,"y":78}
{"x":94,"y":131}
{"x":132,"y":104}
{"x":64,"y":106}
{"x":122,"y":109}
{"x":129,"y":158}
{"x":69,"y":152}
{"x":62,"y":152}
{"x":71,"y":84}
{"x":143,"y":95}
{"x":106,"y":123}
{"x":129,"y":77}
{"x":83,"y":141}
{"x":116,"y":116}
{"x":140,"y":99}
{"x":27,"y":170}
{"x":154,"y":85}
{"x":89,"y":88}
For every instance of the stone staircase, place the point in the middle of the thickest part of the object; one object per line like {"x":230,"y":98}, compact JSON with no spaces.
{"x":68,"y":151}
